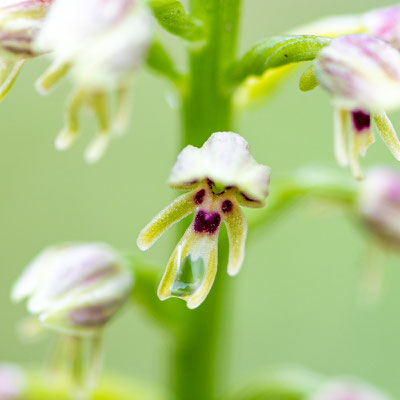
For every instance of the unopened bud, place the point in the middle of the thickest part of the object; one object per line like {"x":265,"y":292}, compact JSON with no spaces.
{"x":75,"y":288}
{"x":379,"y":203}
{"x":12,"y":382}
{"x":20,"y":23}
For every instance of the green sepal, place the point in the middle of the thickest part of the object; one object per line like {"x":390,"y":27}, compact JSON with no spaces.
{"x":276,"y":52}
{"x":161,"y":62}
{"x":172,"y":16}
{"x":308,"y":80}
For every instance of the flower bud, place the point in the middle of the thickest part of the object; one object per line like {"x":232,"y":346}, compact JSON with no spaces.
{"x":12,"y":382}
{"x":379,"y":203}
{"x":75,"y":288}
{"x":20,"y":23}
{"x":348,"y":389}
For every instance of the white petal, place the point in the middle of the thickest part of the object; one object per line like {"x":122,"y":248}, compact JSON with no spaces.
{"x":340,"y":135}
{"x":34,"y":273}
{"x":384,"y":23}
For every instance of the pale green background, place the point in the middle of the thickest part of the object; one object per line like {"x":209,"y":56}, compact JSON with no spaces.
{"x":296,"y":295}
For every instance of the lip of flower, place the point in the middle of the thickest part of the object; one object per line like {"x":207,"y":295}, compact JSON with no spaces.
{"x":220,"y":177}
{"x":362,"y":73}
{"x":75,"y":288}
{"x":100,"y":43}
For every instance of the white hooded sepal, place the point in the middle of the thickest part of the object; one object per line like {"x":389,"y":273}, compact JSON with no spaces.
{"x":224,"y":159}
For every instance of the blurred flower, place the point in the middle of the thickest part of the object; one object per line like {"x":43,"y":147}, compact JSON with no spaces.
{"x":12,"y":382}
{"x":75,"y":288}
{"x":348,"y":389}
{"x":384,"y":23}
{"x":20,"y":22}
{"x":362,"y":73}
{"x":379,"y":203}
{"x":221,"y":176}
{"x":101,"y":42}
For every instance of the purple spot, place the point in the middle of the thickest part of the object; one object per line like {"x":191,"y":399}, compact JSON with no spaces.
{"x":361,"y":121}
{"x":227,"y":206}
{"x":207,"y":222}
{"x":199,"y":197}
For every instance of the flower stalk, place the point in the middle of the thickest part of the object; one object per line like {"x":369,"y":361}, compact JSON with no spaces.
{"x":206,"y":108}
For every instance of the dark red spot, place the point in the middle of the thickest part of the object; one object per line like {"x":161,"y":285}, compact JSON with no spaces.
{"x":199,"y":197}
{"x":227,"y":206}
{"x":361,"y":120}
{"x":207,"y":222}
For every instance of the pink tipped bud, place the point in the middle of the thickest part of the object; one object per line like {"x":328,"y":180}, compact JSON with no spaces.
{"x":20,"y":23}
{"x":379,"y":203}
{"x":75,"y":288}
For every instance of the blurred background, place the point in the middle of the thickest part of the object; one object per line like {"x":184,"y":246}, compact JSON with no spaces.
{"x":296,"y":297}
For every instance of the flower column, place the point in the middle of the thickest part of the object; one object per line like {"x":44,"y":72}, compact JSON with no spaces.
{"x":206,"y":109}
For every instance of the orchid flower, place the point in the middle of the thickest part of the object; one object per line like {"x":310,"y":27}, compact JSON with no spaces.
{"x":220,"y":177}
{"x":362,"y":74}
{"x":101,"y":43}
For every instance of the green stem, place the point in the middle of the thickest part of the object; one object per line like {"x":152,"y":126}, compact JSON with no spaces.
{"x":206,"y":108}
{"x":207,"y":105}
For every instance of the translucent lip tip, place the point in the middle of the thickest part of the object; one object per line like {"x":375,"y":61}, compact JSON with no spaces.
{"x":65,"y":140}
{"x":96,"y":149}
